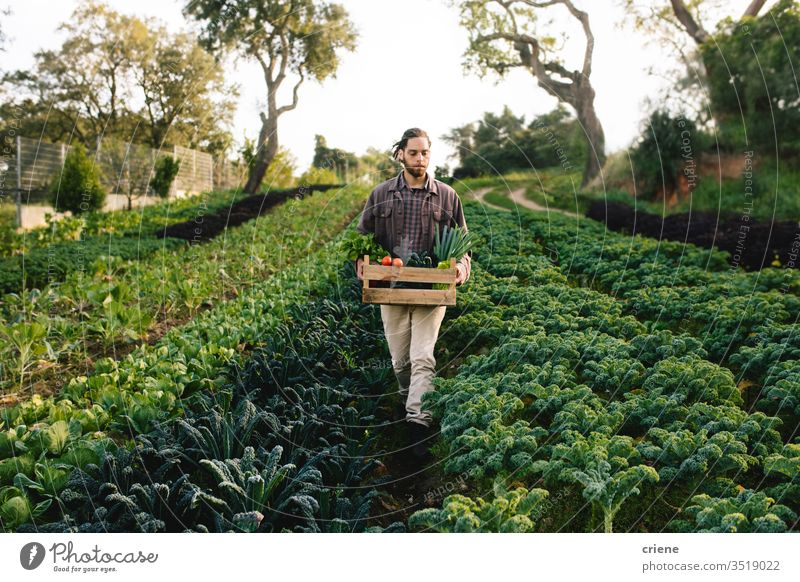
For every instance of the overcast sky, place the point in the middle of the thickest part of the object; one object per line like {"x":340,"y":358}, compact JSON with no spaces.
{"x":405,"y":73}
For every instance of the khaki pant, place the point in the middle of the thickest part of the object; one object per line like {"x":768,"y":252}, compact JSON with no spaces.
{"x":412,"y":331}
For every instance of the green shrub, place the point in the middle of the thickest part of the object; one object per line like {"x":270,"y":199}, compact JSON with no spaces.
{"x":318,"y":176}
{"x":665,"y":149}
{"x":8,"y":227}
{"x":78,"y":189}
{"x":165,"y":171}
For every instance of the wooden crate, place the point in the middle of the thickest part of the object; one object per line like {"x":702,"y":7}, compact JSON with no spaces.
{"x":377,"y":274}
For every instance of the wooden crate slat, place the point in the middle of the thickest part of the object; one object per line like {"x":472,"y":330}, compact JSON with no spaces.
{"x":408,"y":274}
{"x":409,"y":296}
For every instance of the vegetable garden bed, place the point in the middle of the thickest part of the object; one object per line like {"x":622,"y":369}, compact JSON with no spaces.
{"x":753,"y":244}
{"x":207,"y":226}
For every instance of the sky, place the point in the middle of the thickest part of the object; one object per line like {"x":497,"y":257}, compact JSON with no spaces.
{"x":406,"y":72}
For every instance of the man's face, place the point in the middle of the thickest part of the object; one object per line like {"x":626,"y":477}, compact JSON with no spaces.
{"x":416,"y":156}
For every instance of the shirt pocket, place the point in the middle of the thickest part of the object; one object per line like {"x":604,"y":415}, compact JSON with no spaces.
{"x":384,"y":224}
{"x":382,"y":211}
{"x":443,"y":214}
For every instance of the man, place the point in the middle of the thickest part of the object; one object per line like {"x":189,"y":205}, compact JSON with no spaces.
{"x":402,"y":213}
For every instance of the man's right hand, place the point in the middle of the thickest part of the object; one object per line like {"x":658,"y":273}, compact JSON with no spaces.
{"x":360,"y":268}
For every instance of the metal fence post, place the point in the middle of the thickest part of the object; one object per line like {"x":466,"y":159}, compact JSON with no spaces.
{"x":177,"y":176}
{"x":19,"y":181}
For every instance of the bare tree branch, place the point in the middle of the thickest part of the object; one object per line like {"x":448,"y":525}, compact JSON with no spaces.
{"x":528,"y":48}
{"x":754,"y":8}
{"x":583,"y":18}
{"x":284,"y":57}
{"x":264,"y":67}
{"x":695,"y":30}
{"x":286,"y":108}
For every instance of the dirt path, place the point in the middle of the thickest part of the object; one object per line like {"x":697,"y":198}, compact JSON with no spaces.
{"x":479,"y":194}
{"x":519,"y":198}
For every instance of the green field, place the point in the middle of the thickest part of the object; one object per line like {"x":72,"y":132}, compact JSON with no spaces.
{"x":587,"y":382}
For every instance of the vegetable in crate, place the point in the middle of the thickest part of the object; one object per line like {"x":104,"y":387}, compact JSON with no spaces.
{"x":354,"y":245}
{"x":453,"y":244}
{"x":422,"y":260}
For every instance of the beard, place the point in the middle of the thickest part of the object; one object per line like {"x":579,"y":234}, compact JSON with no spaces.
{"x":415,"y":171}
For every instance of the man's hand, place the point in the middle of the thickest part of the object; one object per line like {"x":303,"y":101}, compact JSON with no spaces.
{"x":360,"y":268}
{"x":461,"y":274}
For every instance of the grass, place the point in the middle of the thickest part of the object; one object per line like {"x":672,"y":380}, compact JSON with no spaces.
{"x":548,"y":187}
{"x":498,"y":199}
{"x":776,"y":195}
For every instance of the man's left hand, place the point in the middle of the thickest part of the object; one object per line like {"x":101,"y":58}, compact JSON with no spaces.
{"x":461,"y":274}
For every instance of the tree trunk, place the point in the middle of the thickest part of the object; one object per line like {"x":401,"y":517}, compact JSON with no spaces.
{"x":266,"y":150}
{"x":593,"y":132}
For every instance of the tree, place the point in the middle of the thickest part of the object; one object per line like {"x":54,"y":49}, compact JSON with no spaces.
{"x":502,"y":36}
{"x":166,"y":168}
{"x":666,"y":149}
{"x":339,"y":161}
{"x":752,"y":82}
{"x":443,"y":174}
{"x":663,"y":19}
{"x":377,"y":165}
{"x":3,"y":38}
{"x":284,"y":36}
{"x":316,"y":175}
{"x":78,"y":188}
{"x":740,"y":72}
{"x":504,"y":143}
{"x":125,"y":168}
{"x":681,"y":28}
{"x":695,"y":28}
{"x":489,"y":147}
{"x":92,"y":85}
{"x":89,"y":77}
{"x":178,"y":80}
{"x":280,"y":173}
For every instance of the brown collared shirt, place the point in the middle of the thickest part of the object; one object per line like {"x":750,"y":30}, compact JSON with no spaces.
{"x":399,"y":217}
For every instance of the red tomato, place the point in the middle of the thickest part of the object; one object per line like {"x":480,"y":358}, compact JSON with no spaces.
{"x":398,"y":262}
{"x":387,"y":261}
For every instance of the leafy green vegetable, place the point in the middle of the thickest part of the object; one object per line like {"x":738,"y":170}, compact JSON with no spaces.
{"x":605,"y":467}
{"x":355,"y":245}
{"x":422,"y":259}
{"x":510,"y":512}
{"x":748,"y":512}
{"x":453,"y":243}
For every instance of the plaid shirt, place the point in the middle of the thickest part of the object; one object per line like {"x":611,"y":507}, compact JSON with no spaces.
{"x":411,"y":241}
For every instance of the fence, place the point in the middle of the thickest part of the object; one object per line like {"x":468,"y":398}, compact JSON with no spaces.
{"x":124,"y":169}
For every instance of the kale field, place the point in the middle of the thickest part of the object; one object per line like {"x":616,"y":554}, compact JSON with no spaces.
{"x":587,"y":381}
